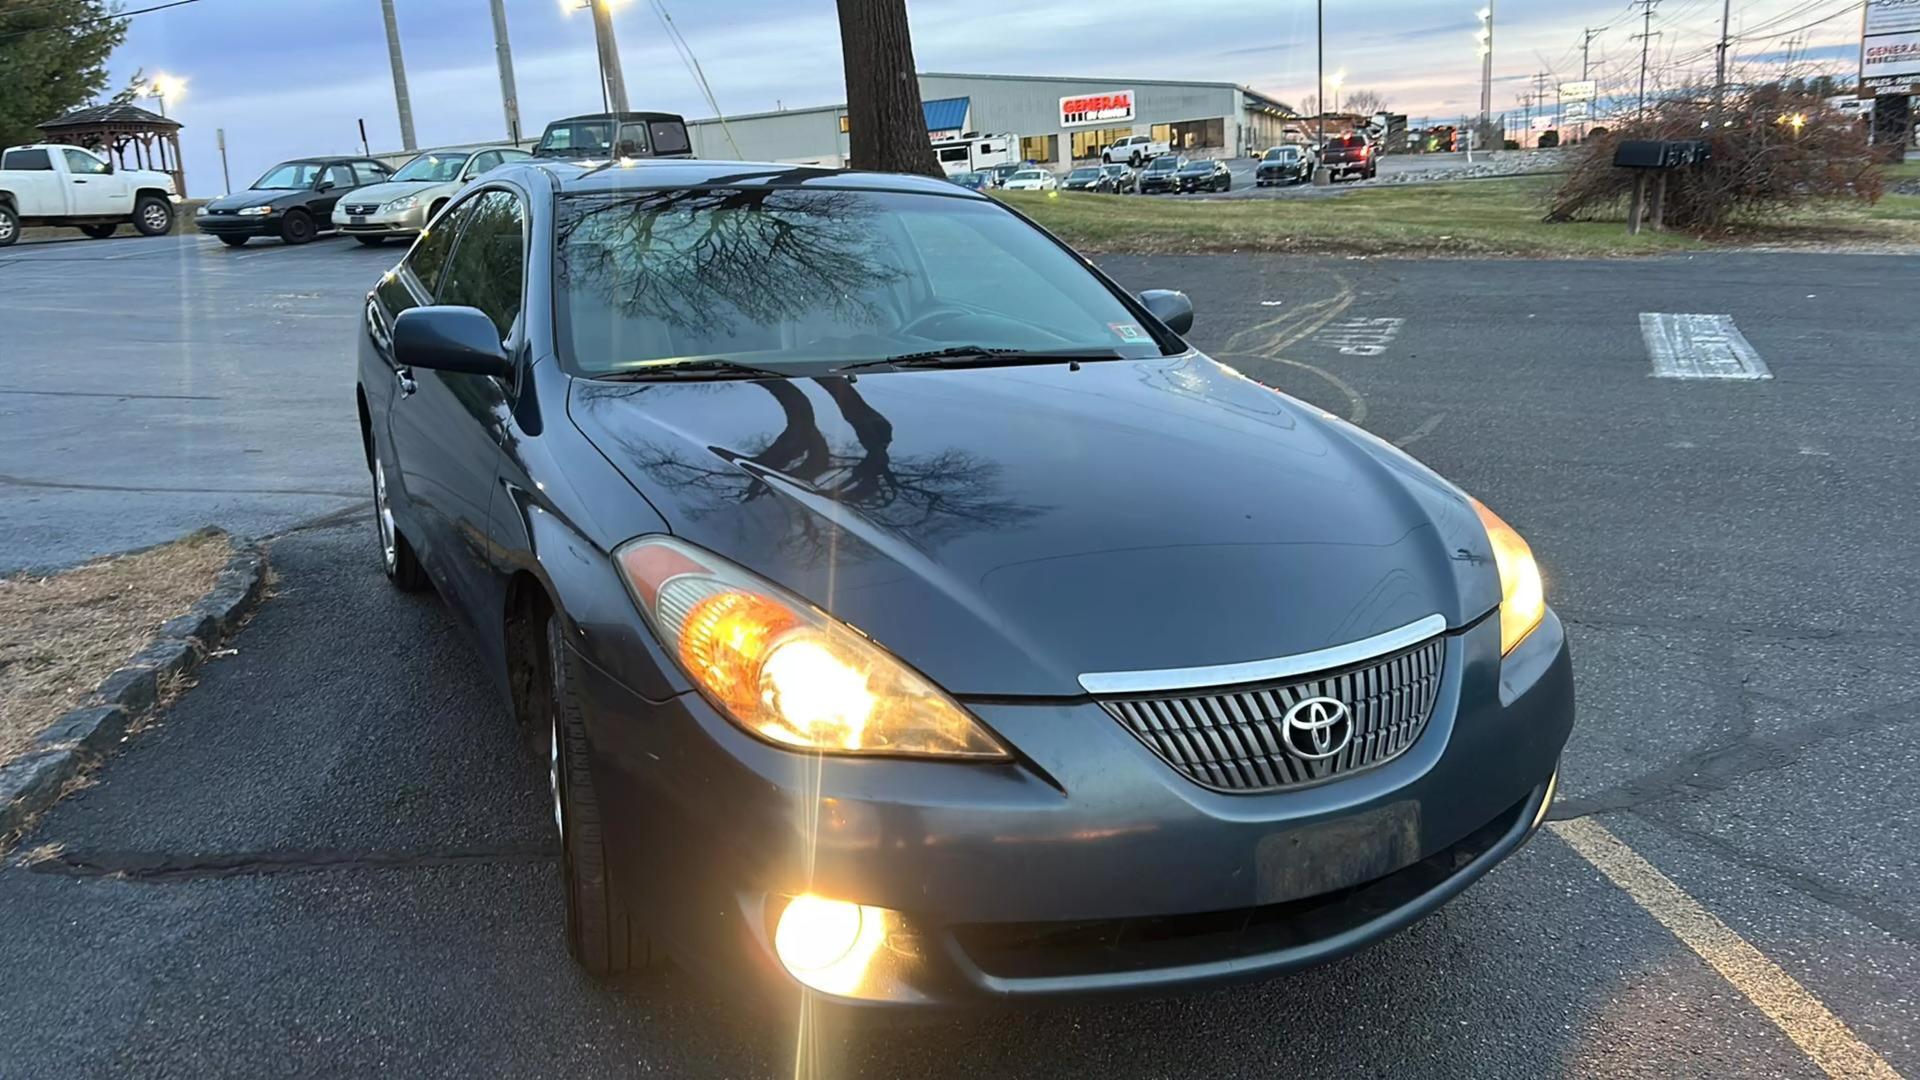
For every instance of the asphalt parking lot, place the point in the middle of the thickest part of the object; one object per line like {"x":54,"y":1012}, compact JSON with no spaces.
{"x":329,"y":857}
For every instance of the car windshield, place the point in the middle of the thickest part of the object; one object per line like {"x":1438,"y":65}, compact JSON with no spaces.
{"x":432,"y":168}
{"x":1083,"y":174}
{"x":1282,"y":154}
{"x":1028,"y":174}
{"x":1197,"y":167}
{"x":1114,"y":170}
{"x":1164,"y":164}
{"x":785,"y":278}
{"x":579,"y":137}
{"x":289,"y":176}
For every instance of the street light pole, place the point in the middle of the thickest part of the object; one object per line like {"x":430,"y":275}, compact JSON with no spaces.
{"x":615,"y":81}
{"x":503,"y":52}
{"x":400,"y":98}
{"x":1320,"y":64}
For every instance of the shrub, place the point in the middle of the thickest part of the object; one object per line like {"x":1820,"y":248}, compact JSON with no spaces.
{"x":1549,"y":140}
{"x":1762,"y":161}
{"x":1510,"y":144}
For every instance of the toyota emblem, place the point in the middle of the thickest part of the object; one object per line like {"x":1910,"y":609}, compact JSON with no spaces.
{"x":1317,"y":728}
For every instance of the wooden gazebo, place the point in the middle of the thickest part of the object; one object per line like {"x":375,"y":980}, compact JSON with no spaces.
{"x":136,"y":138}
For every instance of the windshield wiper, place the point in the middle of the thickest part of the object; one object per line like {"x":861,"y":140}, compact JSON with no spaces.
{"x":984,"y":356}
{"x":710,"y":368}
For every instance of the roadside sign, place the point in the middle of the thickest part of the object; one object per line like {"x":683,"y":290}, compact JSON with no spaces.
{"x":1584,"y":90}
{"x":1890,"y":46}
{"x":1576,"y":112}
{"x":1080,"y":109}
{"x":1543,"y":122}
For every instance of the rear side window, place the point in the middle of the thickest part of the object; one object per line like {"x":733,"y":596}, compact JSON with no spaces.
{"x":27,"y":160}
{"x":490,"y":262}
{"x":430,"y":252}
{"x":669,"y":137}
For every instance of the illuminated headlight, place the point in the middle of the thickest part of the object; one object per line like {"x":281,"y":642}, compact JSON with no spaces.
{"x":786,"y":671}
{"x":404,"y":202}
{"x":254,"y":211}
{"x":1523,"y":598}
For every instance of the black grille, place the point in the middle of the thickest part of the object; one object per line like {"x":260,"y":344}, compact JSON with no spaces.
{"x":1237,"y":738}
{"x":363,"y":208}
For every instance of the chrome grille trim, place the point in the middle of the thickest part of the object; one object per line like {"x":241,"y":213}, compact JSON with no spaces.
{"x":1253,"y":671}
{"x":1233,"y":739}
{"x":363,"y":209}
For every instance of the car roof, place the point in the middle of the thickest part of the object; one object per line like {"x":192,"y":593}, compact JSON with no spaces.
{"x":667,"y":174}
{"x":621,"y":116}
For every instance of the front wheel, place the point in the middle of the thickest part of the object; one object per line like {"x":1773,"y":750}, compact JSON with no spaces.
{"x":372,"y":241}
{"x":153,"y":216}
{"x":99,"y":232}
{"x":601,"y":933}
{"x":397,"y":559}
{"x":234,"y":241}
{"x":297,"y":227}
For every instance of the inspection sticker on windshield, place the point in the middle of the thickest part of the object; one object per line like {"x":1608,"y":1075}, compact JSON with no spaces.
{"x":1130,"y":333}
{"x":1699,"y":347}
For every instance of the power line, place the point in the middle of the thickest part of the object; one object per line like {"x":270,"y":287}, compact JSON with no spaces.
{"x":679,"y":43}
{"x":84,"y":22}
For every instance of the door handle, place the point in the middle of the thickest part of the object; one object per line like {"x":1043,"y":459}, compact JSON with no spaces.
{"x":79,"y":181}
{"x":405,"y":378}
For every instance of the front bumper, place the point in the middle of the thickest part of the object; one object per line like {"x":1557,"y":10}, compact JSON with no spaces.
{"x":239,"y":225}
{"x":388,"y":223}
{"x":1089,"y":866}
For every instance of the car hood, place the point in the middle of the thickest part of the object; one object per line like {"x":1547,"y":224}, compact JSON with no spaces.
{"x":381,"y":193}
{"x":1006,"y":530}
{"x":240,"y":200}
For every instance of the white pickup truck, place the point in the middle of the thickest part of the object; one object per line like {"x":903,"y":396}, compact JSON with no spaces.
{"x":52,"y":184}
{"x":1134,"y":150}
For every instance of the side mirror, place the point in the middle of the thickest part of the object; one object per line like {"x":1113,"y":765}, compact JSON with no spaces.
{"x":446,"y":338}
{"x":1171,"y":307}
{"x":325,"y":185}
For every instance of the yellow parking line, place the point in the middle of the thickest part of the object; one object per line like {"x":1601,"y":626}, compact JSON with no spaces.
{"x":1823,"y":1036}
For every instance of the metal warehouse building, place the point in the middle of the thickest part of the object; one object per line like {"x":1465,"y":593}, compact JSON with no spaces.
{"x":1052,"y":116}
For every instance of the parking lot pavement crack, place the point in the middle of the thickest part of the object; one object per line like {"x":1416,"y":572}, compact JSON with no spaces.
{"x":1862,"y":907}
{"x":171,"y":867}
{"x":1719,"y":767}
{"x":9,"y":480}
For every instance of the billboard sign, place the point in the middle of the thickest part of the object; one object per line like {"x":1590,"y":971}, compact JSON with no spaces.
{"x":1577,"y":91}
{"x":1890,"y":46}
{"x":1112,"y":106}
{"x":1576,"y":112}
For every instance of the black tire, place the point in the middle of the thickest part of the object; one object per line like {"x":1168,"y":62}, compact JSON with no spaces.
{"x":372,"y":241}
{"x":601,"y":933}
{"x":403,"y":568}
{"x":1134,"y":161}
{"x":297,"y":227}
{"x":9,"y":225}
{"x":235,"y":241}
{"x":152,"y":215}
{"x":99,"y":232}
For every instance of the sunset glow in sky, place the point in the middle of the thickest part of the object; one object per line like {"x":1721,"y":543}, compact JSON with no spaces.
{"x":290,"y":77}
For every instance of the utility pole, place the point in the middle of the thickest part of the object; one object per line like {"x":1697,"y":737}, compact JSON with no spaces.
{"x":503,"y":52}
{"x":1320,"y":67}
{"x":1645,"y":37}
{"x":400,"y":98}
{"x":1486,"y":64}
{"x":616,"y":82}
{"x":1720,"y":59}
{"x":1586,"y":44}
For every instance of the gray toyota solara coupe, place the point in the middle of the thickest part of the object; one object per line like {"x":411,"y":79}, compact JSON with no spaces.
{"x":906,"y":615}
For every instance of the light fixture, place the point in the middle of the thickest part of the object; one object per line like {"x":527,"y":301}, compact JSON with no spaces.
{"x":829,"y":944}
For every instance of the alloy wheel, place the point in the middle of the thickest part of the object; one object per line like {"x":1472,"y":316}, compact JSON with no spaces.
{"x":154,"y":216}
{"x":383,"y":515}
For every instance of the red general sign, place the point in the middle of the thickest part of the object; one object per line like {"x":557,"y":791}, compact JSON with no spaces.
{"x":1096,"y":108}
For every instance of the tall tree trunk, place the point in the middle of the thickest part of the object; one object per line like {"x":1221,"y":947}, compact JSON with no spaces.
{"x":885,"y":127}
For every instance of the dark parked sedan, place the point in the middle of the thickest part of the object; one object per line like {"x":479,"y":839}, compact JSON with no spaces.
{"x":1089,"y":178}
{"x":293,"y":201}
{"x":911,"y":637}
{"x":1282,"y":165}
{"x":1161,"y":174}
{"x":1203,"y":176}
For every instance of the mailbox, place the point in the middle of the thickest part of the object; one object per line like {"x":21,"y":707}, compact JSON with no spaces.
{"x":1660,"y":153}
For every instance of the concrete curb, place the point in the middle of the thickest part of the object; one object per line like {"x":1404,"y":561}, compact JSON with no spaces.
{"x":84,"y":735}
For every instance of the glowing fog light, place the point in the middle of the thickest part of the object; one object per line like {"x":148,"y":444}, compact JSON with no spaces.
{"x":829,"y":944}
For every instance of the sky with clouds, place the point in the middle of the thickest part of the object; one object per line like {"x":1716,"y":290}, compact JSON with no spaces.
{"x":291,"y":77}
